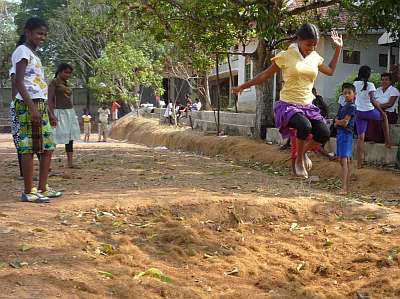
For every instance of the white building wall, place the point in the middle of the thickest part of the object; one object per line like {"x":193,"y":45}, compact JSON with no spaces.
{"x":369,"y":55}
{"x":247,"y":99}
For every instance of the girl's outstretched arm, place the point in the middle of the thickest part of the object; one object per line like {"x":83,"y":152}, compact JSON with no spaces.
{"x":330,"y":69}
{"x":260,"y":78}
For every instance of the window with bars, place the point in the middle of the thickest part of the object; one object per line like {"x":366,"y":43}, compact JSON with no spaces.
{"x":351,"y":57}
{"x":383,"y":60}
{"x":247,"y":70}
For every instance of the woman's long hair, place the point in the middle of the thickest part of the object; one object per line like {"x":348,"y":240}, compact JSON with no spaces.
{"x":363,"y":75}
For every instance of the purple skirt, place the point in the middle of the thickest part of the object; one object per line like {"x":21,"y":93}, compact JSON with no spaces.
{"x":283,"y":112}
{"x":363,"y":117}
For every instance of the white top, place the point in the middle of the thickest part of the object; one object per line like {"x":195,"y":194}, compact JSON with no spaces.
{"x":168,"y":110}
{"x":34,"y":80}
{"x":342,"y":100}
{"x":363,"y":100}
{"x":103,"y":115}
{"x":196,"y":106}
{"x":384,"y":96}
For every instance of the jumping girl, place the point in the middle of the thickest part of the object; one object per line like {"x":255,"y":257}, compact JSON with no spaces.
{"x":300,"y":64}
{"x":368,"y":108}
{"x":34,"y":132}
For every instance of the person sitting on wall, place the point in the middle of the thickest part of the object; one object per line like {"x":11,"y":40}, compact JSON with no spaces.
{"x":388,"y":96}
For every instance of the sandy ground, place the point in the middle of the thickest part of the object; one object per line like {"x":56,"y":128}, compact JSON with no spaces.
{"x":214,"y":227}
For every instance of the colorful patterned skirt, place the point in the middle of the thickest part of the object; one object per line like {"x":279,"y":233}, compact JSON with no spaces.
{"x":14,"y":123}
{"x":31,"y":138}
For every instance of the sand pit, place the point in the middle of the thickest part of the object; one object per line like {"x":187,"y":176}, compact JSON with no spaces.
{"x":214,"y":227}
{"x":382,"y":183}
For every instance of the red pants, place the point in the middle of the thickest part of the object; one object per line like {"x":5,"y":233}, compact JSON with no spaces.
{"x":293,"y":144}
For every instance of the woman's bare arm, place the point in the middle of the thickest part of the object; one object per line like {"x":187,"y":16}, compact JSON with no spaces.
{"x":260,"y":78}
{"x":330,"y":69}
{"x":390,"y":103}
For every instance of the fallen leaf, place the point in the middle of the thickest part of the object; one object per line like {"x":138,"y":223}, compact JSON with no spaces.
{"x":154,"y":273}
{"x":25,"y":247}
{"x":17,"y":264}
{"x":234,"y":271}
{"x":293,"y":226}
{"x":300,"y":266}
{"x":117,"y":223}
{"x":106,"y":274}
{"x":106,"y":249}
{"x":107,"y":214}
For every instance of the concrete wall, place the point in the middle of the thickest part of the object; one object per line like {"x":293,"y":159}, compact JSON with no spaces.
{"x":369,"y":55}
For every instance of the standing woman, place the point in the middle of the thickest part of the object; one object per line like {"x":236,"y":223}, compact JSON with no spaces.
{"x":34,"y":119}
{"x":368,"y":108}
{"x":300,"y":65}
{"x":60,"y":93}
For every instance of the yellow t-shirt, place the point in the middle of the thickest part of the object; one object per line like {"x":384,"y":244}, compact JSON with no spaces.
{"x":86,"y":118}
{"x":298,"y":74}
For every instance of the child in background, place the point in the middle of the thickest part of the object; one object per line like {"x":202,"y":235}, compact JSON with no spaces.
{"x":367,"y":109}
{"x":114,"y":110}
{"x":104,"y":112}
{"x":344,"y":140}
{"x":87,"y":126}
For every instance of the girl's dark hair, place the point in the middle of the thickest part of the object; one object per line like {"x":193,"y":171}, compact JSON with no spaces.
{"x":31,"y":24}
{"x":62,"y":67}
{"x":363,"y":75}
{"x":308,"y":31}
{"x":387,"y":75}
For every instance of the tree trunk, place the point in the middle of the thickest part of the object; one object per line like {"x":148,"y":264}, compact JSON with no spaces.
{"x":204,"y":91}
{"x":264,"y":92}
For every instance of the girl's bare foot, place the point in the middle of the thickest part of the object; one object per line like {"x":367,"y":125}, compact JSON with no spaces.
{"x":343,"y":192}
{"x":307,"y":162}
{"x":388,"y":145}
{"x":300,"y":170}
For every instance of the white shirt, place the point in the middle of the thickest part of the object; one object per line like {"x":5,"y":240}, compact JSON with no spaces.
{"x":34,"y":80}
{"x":103,"y":115}
{"x":342,"y":100}
{"x":383,"y":97}
{"x":168,"y":110}
{"x":363,"y":100}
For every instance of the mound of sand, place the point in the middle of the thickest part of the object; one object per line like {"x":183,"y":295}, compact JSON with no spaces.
{"x":148,"y":132}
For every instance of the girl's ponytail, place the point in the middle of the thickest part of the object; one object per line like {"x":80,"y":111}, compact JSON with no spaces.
{"x":363,"y":75}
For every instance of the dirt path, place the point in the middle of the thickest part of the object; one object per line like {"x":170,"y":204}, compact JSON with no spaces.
{"x":215,"y":228}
